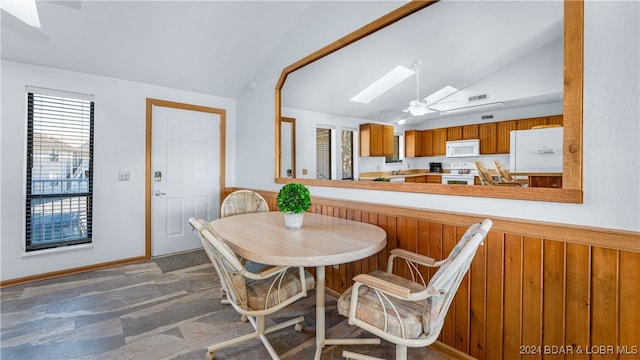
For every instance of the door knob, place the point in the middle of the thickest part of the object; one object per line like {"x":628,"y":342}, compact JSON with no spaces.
{"x":158,"y":193}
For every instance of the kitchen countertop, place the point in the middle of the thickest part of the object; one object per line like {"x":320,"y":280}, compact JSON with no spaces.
{"x":403,"y":174}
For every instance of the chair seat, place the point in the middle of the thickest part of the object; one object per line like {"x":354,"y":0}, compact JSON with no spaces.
{"x":370,"y":310}
{"x":257,"y":290}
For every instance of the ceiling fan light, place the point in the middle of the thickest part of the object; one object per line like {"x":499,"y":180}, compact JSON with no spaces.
{"x":25,"y":10}
{"x":417,"y":109}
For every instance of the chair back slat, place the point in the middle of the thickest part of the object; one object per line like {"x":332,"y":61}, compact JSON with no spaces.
{"x":243,"y":202}
{"x":227,"y":265}
{"x":449,"y":276}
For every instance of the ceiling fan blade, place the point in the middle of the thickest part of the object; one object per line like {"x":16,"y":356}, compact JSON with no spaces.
{"x":491,"y":105}
{"x":23,"y":30}
{"x":388,"y":111}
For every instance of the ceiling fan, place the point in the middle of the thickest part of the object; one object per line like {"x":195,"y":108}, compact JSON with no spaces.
{"x":422,"y":107}
{"x":22,"y":17}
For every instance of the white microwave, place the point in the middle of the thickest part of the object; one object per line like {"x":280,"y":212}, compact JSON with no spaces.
{"x":463,"y":148}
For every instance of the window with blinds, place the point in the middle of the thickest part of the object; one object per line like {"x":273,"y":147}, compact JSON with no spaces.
{"x":396,"y":157}
{"x":323,"y":154}
{"x":347,"y":154}
{"x":59,"y":174}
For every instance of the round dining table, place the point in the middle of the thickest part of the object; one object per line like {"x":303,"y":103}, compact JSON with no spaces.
{"x":322,"y":241}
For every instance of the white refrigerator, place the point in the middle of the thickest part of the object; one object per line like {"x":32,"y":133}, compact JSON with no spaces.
{"x":536,"y":151}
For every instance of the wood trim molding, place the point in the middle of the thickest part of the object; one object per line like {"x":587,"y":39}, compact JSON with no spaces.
{"x":572,"y":187}
{"x":77,"y":270}
{"x":576,"y":234}
{"x":149,"y":137}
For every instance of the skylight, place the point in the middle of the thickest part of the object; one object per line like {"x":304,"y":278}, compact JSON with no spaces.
{"x":24,"y":10}
{"x":384,"y":84}
{"x":440,"y":94}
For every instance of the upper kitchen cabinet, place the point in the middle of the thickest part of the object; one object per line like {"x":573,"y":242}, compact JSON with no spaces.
{"x":376,"y":140}
{"x":487,"y":136}
{"x":413,"y":143}
{"x":527,"y":124}
{"x":454,"y":133}
{"x":470,"y":132}
{"x":555,"y":120}
{"x":439,"y":143}
{"x":427,"y":142}
{"x":503,"y":131}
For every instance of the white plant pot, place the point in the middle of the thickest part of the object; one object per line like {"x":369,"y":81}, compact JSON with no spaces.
{"x":293,"y":221}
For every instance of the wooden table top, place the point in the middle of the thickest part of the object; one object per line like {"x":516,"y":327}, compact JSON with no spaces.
{"x":322,"y":241}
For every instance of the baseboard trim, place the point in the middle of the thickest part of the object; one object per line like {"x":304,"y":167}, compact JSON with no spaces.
{"x":450,"y":351}
{"x":55,"y":274}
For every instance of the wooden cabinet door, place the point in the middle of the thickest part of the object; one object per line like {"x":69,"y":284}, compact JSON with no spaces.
{"x":555,"y":120}
{"x":487,"y":136}
{"x":421,"y":179}
{"x":527,"y":124}
{"x":413,"y":143}
{"x":371,"y":140}
{"x":503,"y":133}
{"x":454,"y":133}
{"x":434,"y":179}
{"x":427,"y":142}
{"x":439,"y":142}
{"x":470,"y":132}
{"x":387,"y":140}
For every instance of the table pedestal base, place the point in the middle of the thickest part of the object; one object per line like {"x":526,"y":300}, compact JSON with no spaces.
{"x":321,"y":342}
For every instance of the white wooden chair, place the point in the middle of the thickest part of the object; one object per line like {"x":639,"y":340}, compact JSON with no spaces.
{"x":486,"y":178}
{"x":506,"y":175}
{"x":253,"y":290}
{"x":243,"y":202}
{"x":409,"y":313}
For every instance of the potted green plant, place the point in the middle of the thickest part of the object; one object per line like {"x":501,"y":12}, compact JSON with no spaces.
{"x":293,"y":200}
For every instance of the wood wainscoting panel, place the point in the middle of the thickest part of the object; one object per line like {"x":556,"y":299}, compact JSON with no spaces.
{"x":534,"y":289}
{"x":553,"y":307}
{"x":532,"y":293}
{"x":629,"y":264}
{"x":578,"y":297}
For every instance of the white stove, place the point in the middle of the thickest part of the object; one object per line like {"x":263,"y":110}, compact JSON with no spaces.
{"x":462,"y":173}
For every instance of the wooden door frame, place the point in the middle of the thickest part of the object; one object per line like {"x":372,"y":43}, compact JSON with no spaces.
{"x":149,"y":137}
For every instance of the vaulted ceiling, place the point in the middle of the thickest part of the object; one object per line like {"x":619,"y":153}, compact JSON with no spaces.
{"x":217,"y":47}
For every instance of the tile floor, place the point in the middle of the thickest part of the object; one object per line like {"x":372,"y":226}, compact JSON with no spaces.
{"x":139,"y":312}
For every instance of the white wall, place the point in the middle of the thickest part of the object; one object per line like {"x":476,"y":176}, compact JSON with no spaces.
{"x":611,"y":126}
{"x":119,"y":144}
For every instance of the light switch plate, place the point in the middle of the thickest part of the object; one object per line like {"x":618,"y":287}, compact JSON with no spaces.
{"x":123,"y":176}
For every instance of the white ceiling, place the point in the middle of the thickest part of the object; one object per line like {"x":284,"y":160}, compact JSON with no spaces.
{"x":211,"y":47}
{"x":459,"y":43}
{"x":217,"y":47}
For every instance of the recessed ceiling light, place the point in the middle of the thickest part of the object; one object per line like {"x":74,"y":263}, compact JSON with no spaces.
{"x":25,"y":10}
{"x":382,"y":85}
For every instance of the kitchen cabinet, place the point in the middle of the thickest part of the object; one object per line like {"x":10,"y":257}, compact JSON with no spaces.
{"x":454,"y":133}
{"x":439,"y":142}
{"x":413,"y":143}
{"x":470,"y":132}
{"x":487,"y":136}
{"x":528,"y":124}
{"x":503,"y":133}
{"x":555,"y":120}
{"x":376,"y":140}
{"x":434,"y":179}
{"x":546,"y":181}
{"x":427,"y":142}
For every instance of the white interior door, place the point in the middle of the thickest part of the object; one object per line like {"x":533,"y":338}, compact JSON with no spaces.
{"x":185,"y":167}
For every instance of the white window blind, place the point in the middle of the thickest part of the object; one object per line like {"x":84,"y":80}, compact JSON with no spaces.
{"x":323,"y":154}
{"x":59,"y":174}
